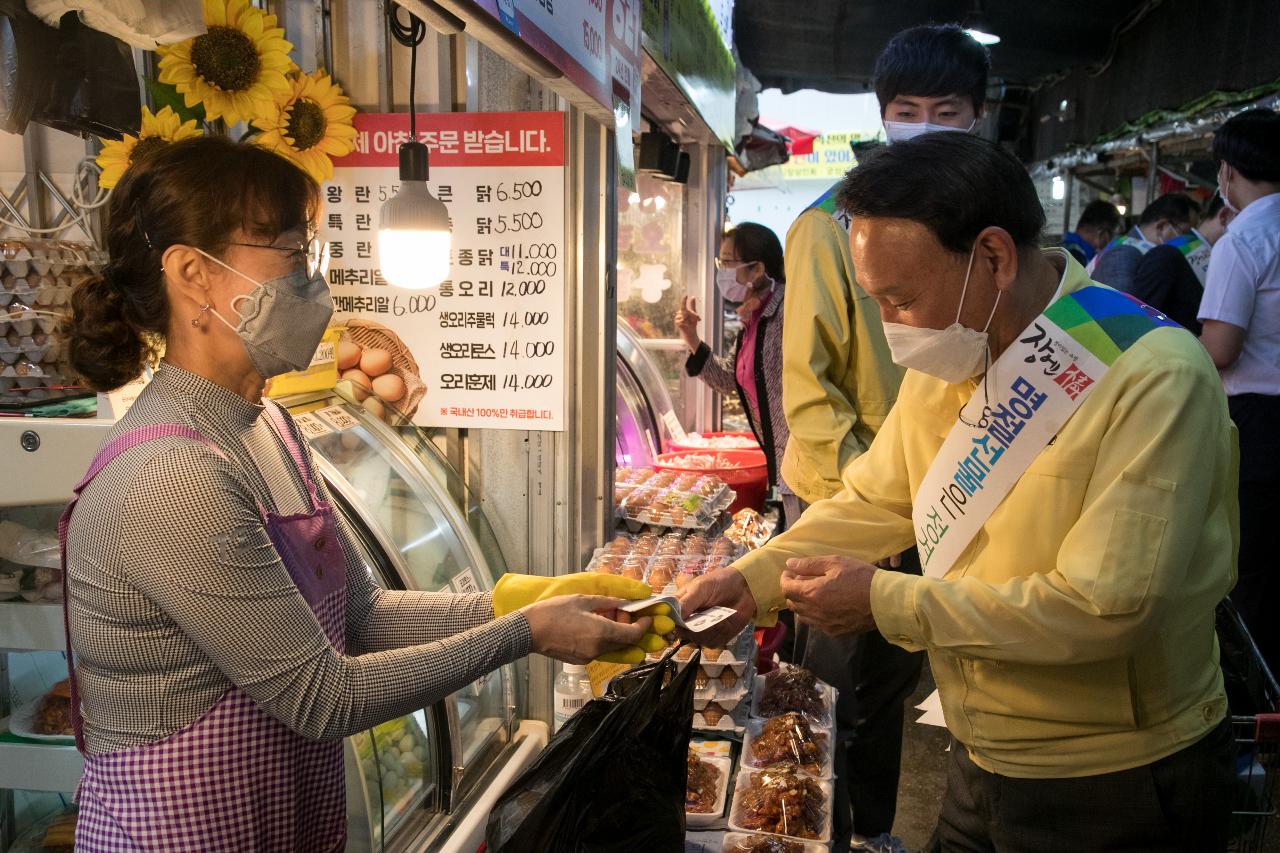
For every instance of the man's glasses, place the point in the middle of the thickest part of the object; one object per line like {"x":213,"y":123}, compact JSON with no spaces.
{"x":314,"y":252}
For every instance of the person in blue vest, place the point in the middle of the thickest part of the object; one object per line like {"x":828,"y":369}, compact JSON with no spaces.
{"x":1169,"y":216}
{"x":1097,"y":226}
{"x":1171,"y":277}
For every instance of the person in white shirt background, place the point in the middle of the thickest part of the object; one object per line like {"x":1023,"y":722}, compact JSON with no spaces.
{"x":1241,"y":316}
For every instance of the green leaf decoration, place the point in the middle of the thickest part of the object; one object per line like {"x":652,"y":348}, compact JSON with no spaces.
{"x":167,"y":95}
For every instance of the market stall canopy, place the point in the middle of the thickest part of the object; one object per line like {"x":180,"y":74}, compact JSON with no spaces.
{"x":833,"y":45}
{"x":799,"y":142}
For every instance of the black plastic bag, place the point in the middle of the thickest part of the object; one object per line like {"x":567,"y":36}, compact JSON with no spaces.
{"x":613,"y":779}
{"x":92,"y":86}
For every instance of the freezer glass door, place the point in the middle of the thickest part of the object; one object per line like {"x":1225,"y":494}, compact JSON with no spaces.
{"x":416,"y":511}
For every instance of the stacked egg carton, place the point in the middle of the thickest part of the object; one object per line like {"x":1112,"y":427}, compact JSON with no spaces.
{"x":666,"y":562}
{"x":36,"y":281}
{"x":722,"y":687}
{"x":686,"y":501}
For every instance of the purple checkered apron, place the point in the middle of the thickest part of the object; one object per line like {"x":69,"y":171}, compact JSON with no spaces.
{"x":236,"y":779}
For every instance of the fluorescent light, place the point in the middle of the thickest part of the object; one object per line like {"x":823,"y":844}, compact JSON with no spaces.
{"x":413,"y":231}
{"x":983,"y":37}
{"x":1059,"y":188}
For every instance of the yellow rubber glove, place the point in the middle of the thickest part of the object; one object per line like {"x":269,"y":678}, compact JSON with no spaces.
{"x":515,"y":591}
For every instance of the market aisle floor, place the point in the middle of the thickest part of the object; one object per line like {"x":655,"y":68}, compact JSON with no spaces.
{"x":923,"y":780}
{"x":924,"y":761}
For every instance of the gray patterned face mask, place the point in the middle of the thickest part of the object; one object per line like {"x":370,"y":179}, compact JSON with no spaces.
{"x":281,"y":321}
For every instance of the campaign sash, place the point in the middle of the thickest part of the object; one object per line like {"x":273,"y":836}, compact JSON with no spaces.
{"x":1196,"y":250}
{"x":1134,"y":238}
{"x":827,"y":202}
{"x":1036,"y":386}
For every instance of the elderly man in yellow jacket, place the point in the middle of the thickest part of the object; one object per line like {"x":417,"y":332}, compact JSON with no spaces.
{"x":1062,"y":457}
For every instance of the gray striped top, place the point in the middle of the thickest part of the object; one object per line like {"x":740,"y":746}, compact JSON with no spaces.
{"x":177,"y":594}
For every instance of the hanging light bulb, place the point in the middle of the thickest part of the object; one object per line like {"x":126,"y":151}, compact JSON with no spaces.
{"x":977,"y":26}
{"x":414,"y":234}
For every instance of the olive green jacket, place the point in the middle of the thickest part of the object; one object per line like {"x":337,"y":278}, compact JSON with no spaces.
{"x":838,"y":381}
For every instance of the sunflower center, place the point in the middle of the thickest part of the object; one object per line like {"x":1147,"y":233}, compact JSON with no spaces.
{"x":146,"y":146}
{"x":226,"y":58}
{"x":306,"y":124}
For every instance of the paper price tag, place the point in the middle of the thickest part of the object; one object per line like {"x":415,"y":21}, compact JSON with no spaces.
{"x":700,"y":622}
{"x":673,"y":424}
{"x":337,"y":417}
{"x":311,"y":426}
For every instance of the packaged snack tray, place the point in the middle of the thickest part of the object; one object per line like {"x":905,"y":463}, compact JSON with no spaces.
{"x":704,"y":805}
{"x":793,"y":688}
{"x":755,"y":842}
{"x":782,"y":801}
{"x":788,"y":738}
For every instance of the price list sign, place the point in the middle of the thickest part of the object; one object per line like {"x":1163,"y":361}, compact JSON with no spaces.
{"x":489,"y":341}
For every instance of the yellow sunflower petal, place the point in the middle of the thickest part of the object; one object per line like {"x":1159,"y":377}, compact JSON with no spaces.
{"x":215,"y":13}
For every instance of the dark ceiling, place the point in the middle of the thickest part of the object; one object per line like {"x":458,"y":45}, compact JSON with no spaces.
{"x":831,"y":45}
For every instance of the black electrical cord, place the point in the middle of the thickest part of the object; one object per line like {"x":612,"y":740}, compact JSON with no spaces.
{"x":410,"y":36}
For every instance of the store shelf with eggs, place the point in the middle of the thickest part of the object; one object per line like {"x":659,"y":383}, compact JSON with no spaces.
{"x":722,"y":687}
{"x":36,"y":281}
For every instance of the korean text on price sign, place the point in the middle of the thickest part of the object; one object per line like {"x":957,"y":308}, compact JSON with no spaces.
{"x":489,"y":341}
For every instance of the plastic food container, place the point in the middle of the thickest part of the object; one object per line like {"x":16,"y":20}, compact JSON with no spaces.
{"x":699,"y":819}
{"x":745,"y":471}
{"x":826,"y":692}
{"x":741,"y":787}
{"x":739,"y":842}
{"x":704,"y":446}
{"x":822,"y":739}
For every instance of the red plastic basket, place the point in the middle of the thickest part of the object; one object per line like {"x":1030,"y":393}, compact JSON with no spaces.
{"x":749,"y":478}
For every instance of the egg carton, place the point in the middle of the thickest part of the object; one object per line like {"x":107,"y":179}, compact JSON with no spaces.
{"x":45,"y":257}
{"x":732,"y":721}
{"x":29,"y":349}
{"x":25,"y":321}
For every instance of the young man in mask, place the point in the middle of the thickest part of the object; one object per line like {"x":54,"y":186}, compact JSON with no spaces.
{"x":1075,"y":515}
{"x":1171,"y":277}
{"x":1168,"y":217}
{"x":839,"y":384}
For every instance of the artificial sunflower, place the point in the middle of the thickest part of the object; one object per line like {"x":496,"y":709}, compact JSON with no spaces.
{"x":235,"y":70}
{"x":157,"y":130}
{"x":311,"y":125}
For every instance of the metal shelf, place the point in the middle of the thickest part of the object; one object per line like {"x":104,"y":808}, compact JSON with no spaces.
{"x":26,"y":627}
{"x":39,"y":766}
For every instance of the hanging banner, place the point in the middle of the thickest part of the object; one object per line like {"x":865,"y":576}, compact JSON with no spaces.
{"x":488,"y":343}
{"x":595,"y":43}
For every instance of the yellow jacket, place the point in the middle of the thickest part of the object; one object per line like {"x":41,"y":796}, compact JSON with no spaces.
{"x":1075,"y":635}
{"x":838,"y":380}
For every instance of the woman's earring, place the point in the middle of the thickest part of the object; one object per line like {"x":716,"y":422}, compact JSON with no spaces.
{"x":203,"y":309}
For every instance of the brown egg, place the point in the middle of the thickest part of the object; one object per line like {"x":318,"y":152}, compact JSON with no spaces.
{"x":348,"y":354}
{"x":374,"y":406}
{"x":389,"y":387}
{"x":361,"y":386}
{"x":375,"y":362}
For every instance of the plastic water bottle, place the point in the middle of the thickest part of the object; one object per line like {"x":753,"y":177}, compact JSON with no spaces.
{"x":572,"y":691}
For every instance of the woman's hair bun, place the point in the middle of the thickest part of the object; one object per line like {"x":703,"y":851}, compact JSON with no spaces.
{"x":105,"y":348}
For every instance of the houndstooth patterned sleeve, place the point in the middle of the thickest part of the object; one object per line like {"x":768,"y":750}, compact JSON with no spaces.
{"x":204,"y":557}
